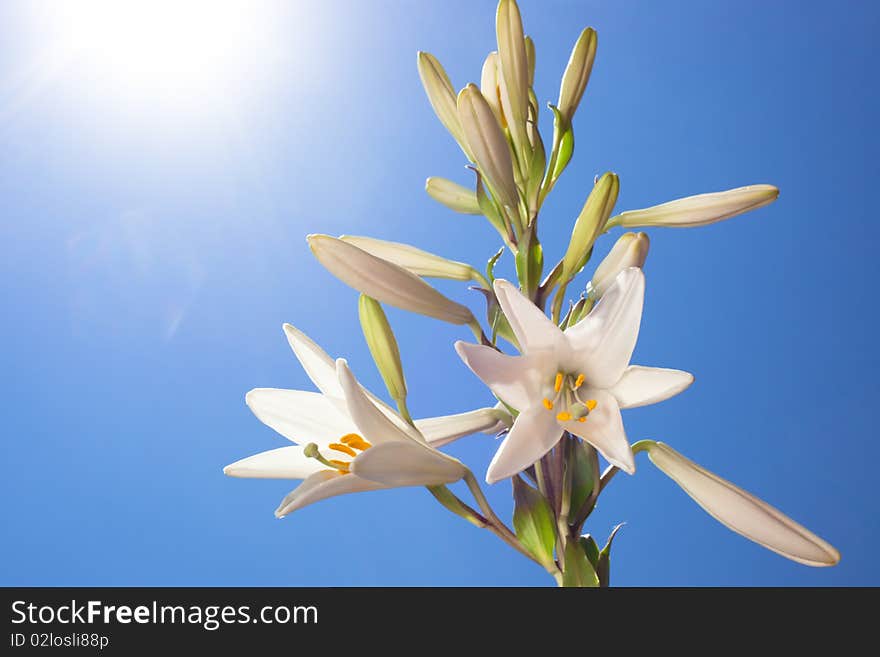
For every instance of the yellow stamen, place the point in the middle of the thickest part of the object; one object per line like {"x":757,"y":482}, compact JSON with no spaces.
{"x":548,"y":404}
{"x":579,"y":381}
{"x":355,"y":441}
{"x":342,"y":466}
{"x":557,"y":385}
{"x":582,"y":419}
{"x":564,"y":416}
{"x":591,"y":404}
{"x":345,"y":449}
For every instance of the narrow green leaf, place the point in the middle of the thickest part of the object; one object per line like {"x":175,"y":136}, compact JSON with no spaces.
{"x":490,"y":265}
{"x":603,"y":565}
{"x":588,"y":545}
{"x":577,"y":569}
{"x":582,"y":475}
{"x":533,"y":521}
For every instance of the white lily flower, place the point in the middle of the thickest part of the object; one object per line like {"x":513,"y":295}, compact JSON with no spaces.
{"x":385,"y":281}
{"x":699,"y":210}
{"x":576,"y":380}
{"x":347,"y":440}
{"x":742,"y":512}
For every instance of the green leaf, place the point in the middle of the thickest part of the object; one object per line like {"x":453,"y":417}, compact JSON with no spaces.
{"x":588,"y":545}
{"x":603,"y":565}
{"x":583,"y":477}
{"x":577,"y":570}
{"x":490,"y":265}
{"x":533,"y":521}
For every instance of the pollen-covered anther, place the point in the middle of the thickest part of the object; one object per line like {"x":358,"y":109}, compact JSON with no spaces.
{"x":591,"y":404}
{"x":557,"y":384}
{"x":547,"y":404}
{"x":345,"y":449}
{"x":564,"y":416}
{"x":354,"y":441}
{"x":579,"y":381}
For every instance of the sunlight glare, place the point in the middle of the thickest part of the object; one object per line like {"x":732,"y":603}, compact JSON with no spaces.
{"x":177,"y":53}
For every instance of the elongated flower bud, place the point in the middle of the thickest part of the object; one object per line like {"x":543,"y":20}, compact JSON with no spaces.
{"x":488,"y":144}
{"x":441,"y":95}
{"x":577,"y":73}
{"x":385,"y":281}
{"x":514,"y":67}
{"x":742,"y":512}
{"x":490,"y":86}
{"x":630,"y":250}
{"x":420,"y":263}
{"x":530,"y":59}
{"x":701,"y":209}
{"x":454,"y":196}
{"x":590,"y":224}
{"x":383,"y":346}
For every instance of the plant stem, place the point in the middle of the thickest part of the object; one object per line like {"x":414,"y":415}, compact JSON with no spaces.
{"x":562,"y":526}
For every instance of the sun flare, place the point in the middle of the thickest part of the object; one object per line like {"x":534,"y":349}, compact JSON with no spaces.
{"x":178,"y":54}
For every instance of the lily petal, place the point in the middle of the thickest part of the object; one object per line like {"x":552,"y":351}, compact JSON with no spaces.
{"x":321,"y":369}
{"x":603,"y":429}
{"x":320,"y":486}
{"x":602,"y":343}
{"x":640,"y":386}
{"x":532,"y":328}
{"x":318,"y":365}
{"x":373,"y":424}
{"x":282,"y":463}
{"x":300,"y":416}
{"x":534,"y":433}
{"x":407,"y":464}
{"x":515,"y":379}
{"x":439,"y":431}
{"x":742,"y":512}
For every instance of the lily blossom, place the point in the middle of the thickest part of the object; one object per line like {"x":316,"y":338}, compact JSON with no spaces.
{"x":347,"y":440}
{"x":575,"y":381}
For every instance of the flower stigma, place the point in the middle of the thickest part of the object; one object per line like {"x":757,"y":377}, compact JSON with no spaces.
{"x":350,"y":444}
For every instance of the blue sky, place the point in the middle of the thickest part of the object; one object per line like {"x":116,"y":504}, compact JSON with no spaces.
{"x":153,"y":244}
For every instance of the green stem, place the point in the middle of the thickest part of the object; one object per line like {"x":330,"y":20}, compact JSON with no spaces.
{"x":452,"y":502}
{"x":565,"y":494}
{"x":495,"y":523}
{"x":557,"y":303}
{"x":403,"y":411}
{"x":612,"y":470}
